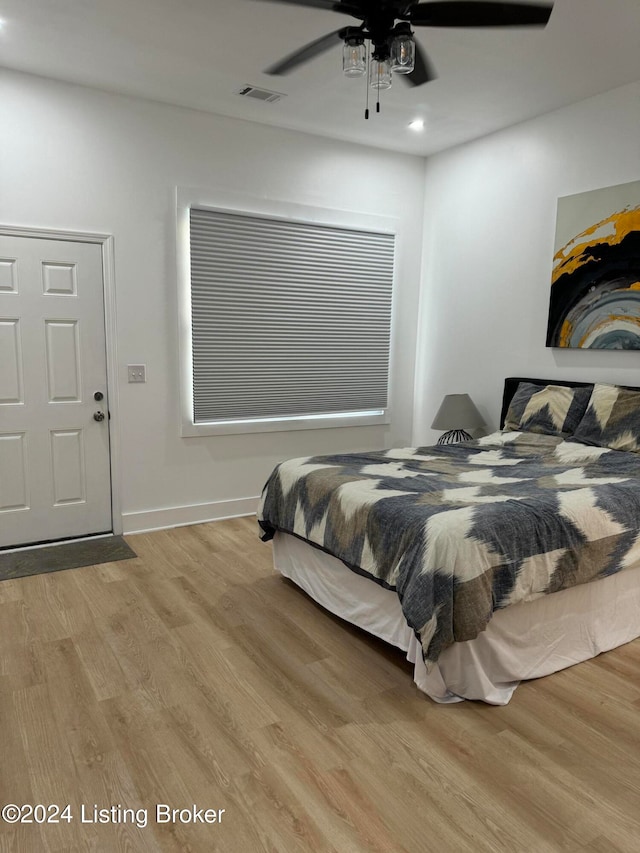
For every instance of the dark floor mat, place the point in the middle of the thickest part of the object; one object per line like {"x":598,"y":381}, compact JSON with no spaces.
{"x":67,"y":555}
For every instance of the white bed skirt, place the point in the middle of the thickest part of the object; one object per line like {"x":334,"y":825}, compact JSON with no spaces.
{"x":522,"y":641}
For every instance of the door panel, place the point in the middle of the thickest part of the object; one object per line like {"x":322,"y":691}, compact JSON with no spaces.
{"x":13,"y":484}
{"x":11,"y":362}
{"x":54,"y":457}
{"x":63,"y":360}
{"x":67,"y":456}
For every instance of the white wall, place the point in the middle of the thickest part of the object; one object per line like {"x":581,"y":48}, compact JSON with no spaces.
{"x":490,"y":210}
{"x":78,"y":159}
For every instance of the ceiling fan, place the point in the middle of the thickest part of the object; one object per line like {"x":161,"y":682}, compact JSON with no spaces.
{"x":387,"y":24}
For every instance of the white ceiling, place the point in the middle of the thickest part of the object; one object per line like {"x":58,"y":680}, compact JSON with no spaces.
{"x":199,"y":53}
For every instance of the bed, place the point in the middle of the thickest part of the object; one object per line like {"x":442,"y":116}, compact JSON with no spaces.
{"x":487,"y":562}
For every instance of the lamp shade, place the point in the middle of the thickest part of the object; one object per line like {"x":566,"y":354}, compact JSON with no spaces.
{"x":380,"y":73}
{"x":403,"y":52}
{"x":354,"y":58}
{"x":457,"y":411}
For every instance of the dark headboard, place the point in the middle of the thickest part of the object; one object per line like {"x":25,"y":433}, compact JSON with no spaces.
{"x":511,"y":383}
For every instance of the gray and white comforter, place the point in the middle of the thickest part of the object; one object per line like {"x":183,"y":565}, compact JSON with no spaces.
{"x":463,"y":530}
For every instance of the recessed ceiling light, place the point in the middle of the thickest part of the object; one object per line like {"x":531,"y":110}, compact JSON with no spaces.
{"x":417,"y":124}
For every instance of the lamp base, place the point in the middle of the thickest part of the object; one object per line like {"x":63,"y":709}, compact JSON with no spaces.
{"x":454,"y":436}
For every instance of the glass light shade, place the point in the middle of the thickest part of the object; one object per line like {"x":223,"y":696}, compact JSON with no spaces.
{"x":353,"y":59}
{"x":380,"y":73}
{"x":403,"y":54}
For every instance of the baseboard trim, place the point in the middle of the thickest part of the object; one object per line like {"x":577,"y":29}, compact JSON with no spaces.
{"x":180,"y":516}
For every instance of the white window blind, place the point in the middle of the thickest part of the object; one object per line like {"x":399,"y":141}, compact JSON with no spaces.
{"x":289,"y":319}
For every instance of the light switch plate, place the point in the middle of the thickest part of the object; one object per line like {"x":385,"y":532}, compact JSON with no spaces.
{"x":137,"y":372}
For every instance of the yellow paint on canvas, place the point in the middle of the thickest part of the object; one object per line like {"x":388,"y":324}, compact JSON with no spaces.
{"x":576,"y":253}
{"x":565,"y":334}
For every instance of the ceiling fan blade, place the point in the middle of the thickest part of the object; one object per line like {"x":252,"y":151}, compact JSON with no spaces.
{"x":305,"y":53}
{"x":423,"y":70}
{"x":457,"y":13}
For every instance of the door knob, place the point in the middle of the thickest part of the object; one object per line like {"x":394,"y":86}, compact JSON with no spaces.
{"x":98,"y":416}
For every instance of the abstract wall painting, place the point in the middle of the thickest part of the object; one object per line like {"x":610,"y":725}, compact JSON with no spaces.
{"x":595,"y":286}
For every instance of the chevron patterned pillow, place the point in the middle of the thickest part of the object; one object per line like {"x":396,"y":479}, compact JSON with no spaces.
{"x":549,"y":409}
{"x":612,"y":419}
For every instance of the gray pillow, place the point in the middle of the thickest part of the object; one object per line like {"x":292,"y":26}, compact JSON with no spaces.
{"x":548,"y":409}
{"x":612,"y":419}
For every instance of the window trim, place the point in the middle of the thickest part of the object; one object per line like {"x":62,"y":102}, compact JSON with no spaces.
{"x":239,"y":203}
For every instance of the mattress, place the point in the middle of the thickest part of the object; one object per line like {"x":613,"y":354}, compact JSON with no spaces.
{"x":523,"y":641}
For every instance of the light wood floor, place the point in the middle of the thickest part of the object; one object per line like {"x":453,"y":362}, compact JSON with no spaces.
{"x":194,"y":675}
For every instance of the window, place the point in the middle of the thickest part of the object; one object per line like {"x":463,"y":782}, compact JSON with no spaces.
{"x":290,"y":323}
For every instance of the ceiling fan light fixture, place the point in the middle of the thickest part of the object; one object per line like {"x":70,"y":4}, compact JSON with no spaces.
{"x":386,"y":27}
{"x":354,"y":58}
{"x":380,"y":73}
{"x":403,"y":53}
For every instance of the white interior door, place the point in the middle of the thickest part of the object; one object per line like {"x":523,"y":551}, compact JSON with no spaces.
{"x":54,"y":444}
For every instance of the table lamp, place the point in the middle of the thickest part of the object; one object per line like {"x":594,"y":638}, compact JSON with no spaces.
{"x":457,"y":414}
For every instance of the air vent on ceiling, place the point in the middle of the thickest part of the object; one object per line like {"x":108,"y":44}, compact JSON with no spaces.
{"x":261,"y":94}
